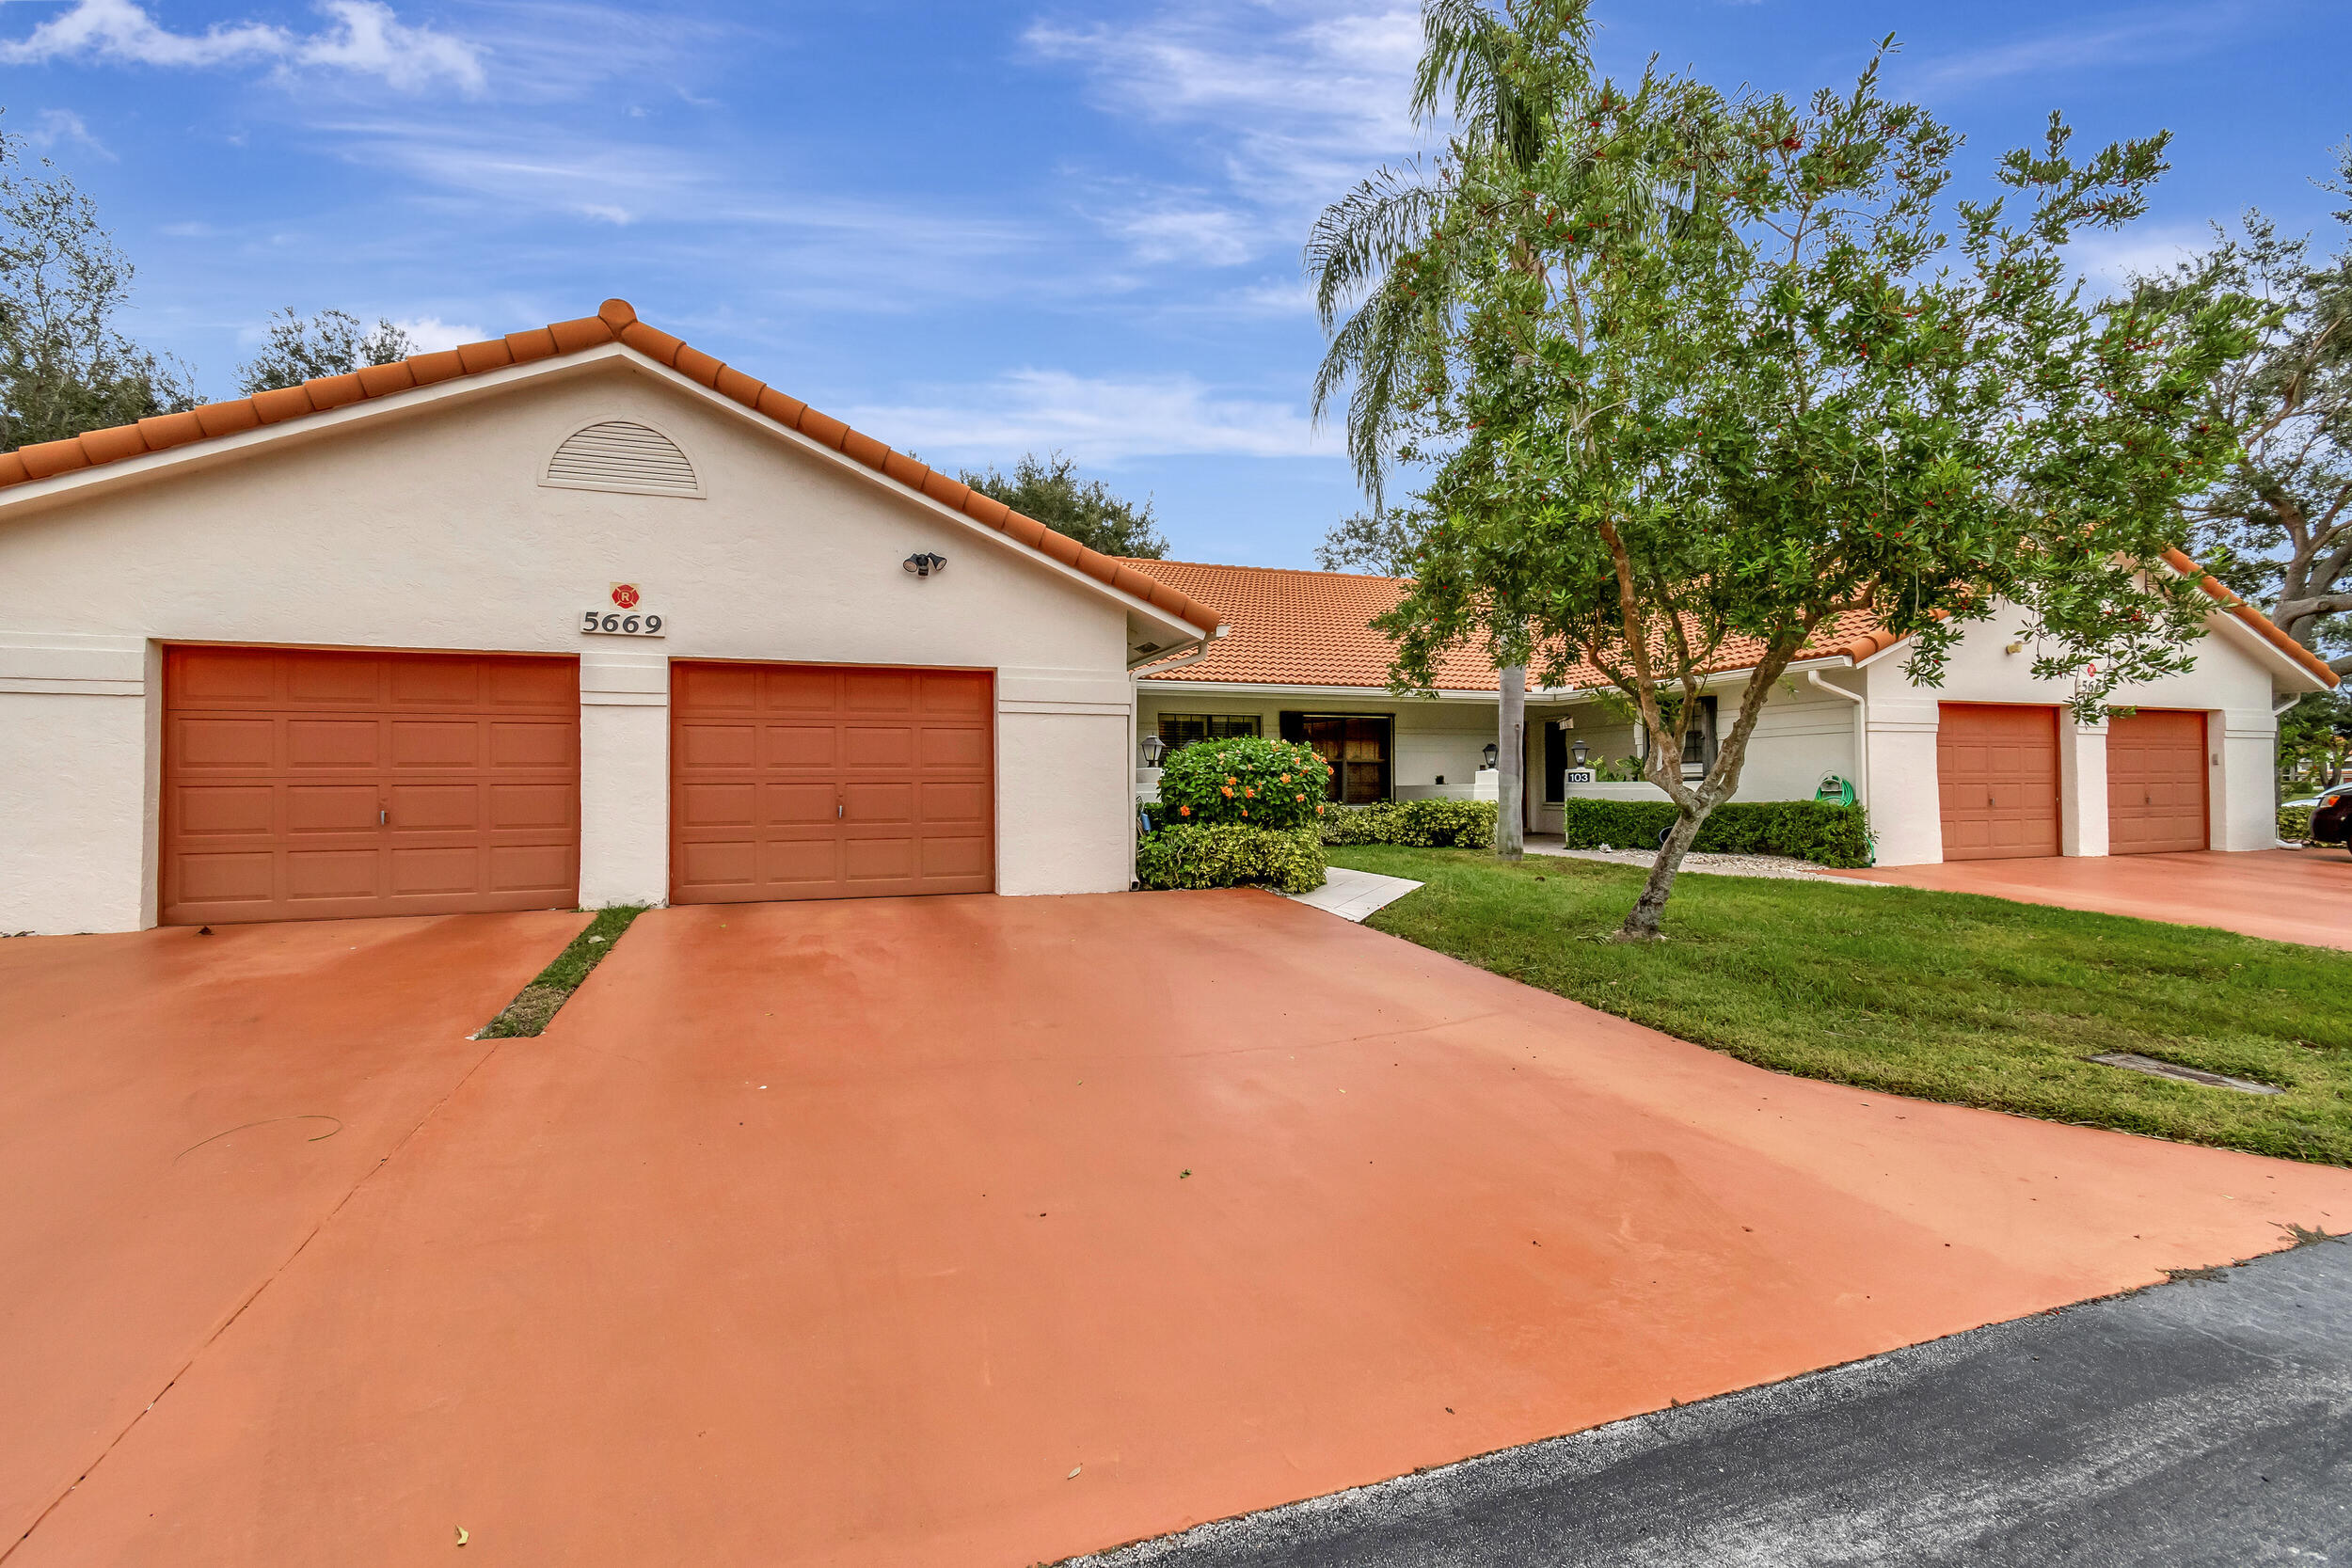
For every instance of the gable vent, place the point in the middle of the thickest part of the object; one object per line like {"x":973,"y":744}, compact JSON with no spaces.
{"x":622,"y":454}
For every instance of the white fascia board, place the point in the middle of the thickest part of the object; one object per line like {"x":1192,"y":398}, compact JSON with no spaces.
{"x":1261,"y":689}
{"x":217,"y":450}
{"x":1544,"y":694}
{"x":2297,"y":678}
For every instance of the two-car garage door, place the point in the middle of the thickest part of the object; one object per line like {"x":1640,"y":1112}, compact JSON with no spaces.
{"x":1997,"y":774}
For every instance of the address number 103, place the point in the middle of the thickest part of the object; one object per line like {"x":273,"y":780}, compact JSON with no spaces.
{"x":620,"y":622}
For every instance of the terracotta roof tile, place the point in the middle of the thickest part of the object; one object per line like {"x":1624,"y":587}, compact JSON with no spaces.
{"x":1314,"y":628}
{"x":2270,"y":630}
{"x":333,"y":391}
{"x":538,"y":344}
{"x":693,"y":364}
{"x":1292,"y":627}
{"x":616,"y":320}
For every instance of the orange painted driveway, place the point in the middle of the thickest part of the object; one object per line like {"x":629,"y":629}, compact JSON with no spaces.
{"x":179,"y":1114}
{"x":2285,"y":894}
{"x":862,"y":1233}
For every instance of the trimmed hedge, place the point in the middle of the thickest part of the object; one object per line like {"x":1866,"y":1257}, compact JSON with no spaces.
{"x":1269,"y":784}
{"x":1810,"y":830}
{"x":2294,"y":824}
{"x":1445,"y":824}
{"x":1230,"y":854}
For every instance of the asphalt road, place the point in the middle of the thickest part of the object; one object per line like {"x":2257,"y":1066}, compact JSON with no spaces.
{"x":2199,"y":1422}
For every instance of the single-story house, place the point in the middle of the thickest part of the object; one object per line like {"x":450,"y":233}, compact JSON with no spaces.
{"x":1991,"y":764}
{"x":577,"y":616}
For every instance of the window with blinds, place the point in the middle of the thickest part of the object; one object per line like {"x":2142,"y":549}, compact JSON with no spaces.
{"x":1181,"y":729}
{"x":622,"y":455}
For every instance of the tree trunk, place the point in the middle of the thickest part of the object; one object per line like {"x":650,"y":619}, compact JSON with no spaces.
{"x":1510,"y":764}
{"x":1641,"y":922}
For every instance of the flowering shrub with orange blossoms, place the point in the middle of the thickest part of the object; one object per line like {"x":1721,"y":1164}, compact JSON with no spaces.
{"x":1247,"y":779}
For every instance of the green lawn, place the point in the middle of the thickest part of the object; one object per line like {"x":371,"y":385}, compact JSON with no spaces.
{"x":1945,"y":996}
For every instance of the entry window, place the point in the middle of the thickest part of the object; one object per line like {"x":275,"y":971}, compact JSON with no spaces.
{"x":1179,"y":730}
{"x":1555,"y":763}
{"x":1356,"y":745}
{"x":1698,"y":740}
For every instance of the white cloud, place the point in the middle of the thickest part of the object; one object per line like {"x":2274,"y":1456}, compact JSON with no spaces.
{"x":55,"y":127}
{"x":431,"y":334}
{"x":364,"y":36}
{"x":2140,"y":39}
{"x":1102,"y":420}
{"x":1279,"y":120}
{"x":1216,"y":236}
{"x":2110,"y":260}
{"x":370,"y":40}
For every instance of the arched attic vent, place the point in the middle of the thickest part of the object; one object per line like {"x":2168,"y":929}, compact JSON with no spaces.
{"x":625,"y":455}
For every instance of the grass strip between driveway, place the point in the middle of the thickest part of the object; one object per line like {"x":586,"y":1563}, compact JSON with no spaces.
{"x":1947,"y":996}
{"x":537,"y":1003}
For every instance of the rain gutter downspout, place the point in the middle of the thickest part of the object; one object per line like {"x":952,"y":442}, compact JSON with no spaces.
{"x":1861,"y":731}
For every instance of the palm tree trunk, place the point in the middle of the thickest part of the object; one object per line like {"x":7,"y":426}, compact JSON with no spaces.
{"x":1511,"y":764}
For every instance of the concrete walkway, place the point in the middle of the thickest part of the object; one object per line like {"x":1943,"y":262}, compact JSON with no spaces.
{"x":1352,"y":895}
{"x":962,"y":1230}
{"x":2303,"y":895}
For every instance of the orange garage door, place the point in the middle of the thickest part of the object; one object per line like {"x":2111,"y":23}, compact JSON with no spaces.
{"x":2155,"y":781}
{"x":1997,"y":772}
{"x":301,"y":784}
{"x":817,"y":780}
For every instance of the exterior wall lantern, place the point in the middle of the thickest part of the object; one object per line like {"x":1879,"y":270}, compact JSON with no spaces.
{"x":1155,"y":751}
{"x":1581,"y":752}
{"x":924,"y":564}
{"x":1491,"y":754}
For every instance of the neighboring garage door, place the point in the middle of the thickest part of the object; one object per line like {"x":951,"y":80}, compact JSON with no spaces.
{"x":817,"y":780}
{"x":1997,"y":774}
{"x":301,"y":784}
{"x":2155,"y":781}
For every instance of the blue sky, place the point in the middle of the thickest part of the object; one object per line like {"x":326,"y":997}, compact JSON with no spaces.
{"x":975,"y":228}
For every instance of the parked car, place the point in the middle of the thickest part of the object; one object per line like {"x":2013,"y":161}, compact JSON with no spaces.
{"x":2331,"y":817}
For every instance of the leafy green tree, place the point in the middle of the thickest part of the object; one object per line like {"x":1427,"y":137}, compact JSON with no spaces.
{"x":2277,"y":524}
{"x":1375,"y":541}
{"x":65,"y":365}
{"x":1050,"y":490}
{"x":333,"y":342}
{"x":1724,"y":368}
{"x":2314,"y":740}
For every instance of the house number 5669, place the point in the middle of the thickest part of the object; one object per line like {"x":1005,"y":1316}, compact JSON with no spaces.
{"x":615,"y":623}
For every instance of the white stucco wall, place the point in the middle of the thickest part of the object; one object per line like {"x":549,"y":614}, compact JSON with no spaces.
{"x":428,"y":530}
{"x":1443,"y":737}
{"x":1802,"y":733}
